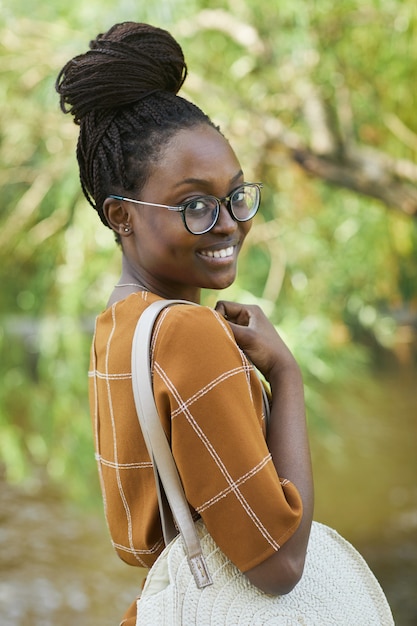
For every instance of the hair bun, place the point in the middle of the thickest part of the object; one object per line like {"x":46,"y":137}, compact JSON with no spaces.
{"x":123,"y":65}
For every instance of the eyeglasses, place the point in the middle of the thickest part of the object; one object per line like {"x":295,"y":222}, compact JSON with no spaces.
{"x":201,"y":213}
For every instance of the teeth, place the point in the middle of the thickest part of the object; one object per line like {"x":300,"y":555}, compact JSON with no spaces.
{"x":219,"y":254}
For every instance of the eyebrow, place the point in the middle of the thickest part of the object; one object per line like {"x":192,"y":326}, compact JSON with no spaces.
{"x":199,"y":181}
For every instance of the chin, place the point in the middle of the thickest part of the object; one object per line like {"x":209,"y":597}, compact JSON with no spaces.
{"x":222,"y":284}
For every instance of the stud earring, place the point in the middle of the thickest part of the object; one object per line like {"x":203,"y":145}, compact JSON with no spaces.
{"x":126,"y":228}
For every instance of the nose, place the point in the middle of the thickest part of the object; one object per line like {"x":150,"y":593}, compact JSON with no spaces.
{"x":225,"y":222}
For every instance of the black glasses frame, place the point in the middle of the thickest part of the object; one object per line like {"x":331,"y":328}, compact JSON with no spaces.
{"x":181,"y":208}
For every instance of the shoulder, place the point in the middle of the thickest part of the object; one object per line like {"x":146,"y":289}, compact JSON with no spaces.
{"x":187,"y":325}
{"x":196,"y":343}
{"x":115,"y":326}
{"x":193,"y":315}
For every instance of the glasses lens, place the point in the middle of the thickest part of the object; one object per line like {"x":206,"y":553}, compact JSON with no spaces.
{"x":201,"y":214}
{"x":244,"y":202}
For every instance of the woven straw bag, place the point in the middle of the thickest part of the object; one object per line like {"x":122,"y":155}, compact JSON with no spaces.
{"x":193,"y":583}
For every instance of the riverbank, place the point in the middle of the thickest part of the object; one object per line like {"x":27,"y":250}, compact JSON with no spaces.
{"x":57,"y":566}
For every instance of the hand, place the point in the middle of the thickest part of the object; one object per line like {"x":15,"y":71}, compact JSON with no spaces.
{"x":257,"y":337}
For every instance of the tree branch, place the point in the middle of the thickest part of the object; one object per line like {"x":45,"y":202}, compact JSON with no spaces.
{"x":359,"y":168}
{"x":366,"y":176}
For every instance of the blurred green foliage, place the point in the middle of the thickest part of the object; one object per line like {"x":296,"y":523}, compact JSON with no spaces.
{"x":334,"y":269}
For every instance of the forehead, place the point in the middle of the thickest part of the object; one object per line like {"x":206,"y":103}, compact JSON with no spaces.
{"x":198,"y":153}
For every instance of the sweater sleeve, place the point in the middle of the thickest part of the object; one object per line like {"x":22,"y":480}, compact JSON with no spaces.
{"x":210,"y":401}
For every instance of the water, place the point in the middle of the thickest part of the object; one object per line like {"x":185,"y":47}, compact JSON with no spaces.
{"x":57,"y":566}
{"x":365,"y":472}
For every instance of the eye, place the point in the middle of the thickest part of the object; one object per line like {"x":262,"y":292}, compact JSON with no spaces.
{"x":201,"y":205}
{"x":239,"y":196}
{"x":194,"y":206}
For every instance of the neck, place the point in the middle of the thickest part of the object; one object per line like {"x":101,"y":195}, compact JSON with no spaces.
{"x":132,"y":280}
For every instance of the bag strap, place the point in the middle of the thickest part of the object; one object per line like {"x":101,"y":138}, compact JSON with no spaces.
{"x":171,"y":496}
{"x":172,"y":502}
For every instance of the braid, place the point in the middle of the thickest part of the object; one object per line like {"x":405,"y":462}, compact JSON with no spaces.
{"x":122,"y":94}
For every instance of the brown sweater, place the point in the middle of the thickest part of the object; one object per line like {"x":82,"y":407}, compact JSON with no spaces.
{"x":210,"y":403}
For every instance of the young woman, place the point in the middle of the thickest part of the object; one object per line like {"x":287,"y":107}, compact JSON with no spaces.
{"x":165,"y":179}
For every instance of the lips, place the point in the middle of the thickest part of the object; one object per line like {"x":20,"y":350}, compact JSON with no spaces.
{"x":223,"y":253}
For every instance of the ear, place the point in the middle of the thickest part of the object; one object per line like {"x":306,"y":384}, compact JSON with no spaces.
{"x":117,"y":217}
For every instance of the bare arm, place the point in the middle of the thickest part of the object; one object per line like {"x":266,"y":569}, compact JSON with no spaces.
{"x":287,"y":435}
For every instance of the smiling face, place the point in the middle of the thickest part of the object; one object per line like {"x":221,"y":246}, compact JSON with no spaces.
{"x":160,"y":253}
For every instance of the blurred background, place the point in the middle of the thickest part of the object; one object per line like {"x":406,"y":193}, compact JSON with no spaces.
{"x":319,"y":101}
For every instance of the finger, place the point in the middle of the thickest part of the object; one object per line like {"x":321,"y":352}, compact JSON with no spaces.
{"x":239,"y":332}
{"x":220,"y":308}
{"x":228,"y":307}
{"x":233,"y":311}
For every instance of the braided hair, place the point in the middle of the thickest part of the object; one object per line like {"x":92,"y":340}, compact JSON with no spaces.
{"x":122,"y":94}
